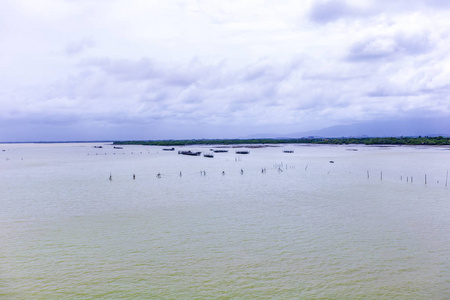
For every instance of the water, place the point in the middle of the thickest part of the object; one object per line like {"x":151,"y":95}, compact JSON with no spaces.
{"x":306,"y":228}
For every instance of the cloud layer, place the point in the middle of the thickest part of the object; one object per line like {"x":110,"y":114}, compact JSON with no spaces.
{"x":80,"y":70}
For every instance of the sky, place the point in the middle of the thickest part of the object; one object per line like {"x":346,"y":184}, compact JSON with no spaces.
{"x":145,"y":69}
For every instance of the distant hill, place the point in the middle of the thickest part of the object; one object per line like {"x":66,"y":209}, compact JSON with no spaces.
{"x":392,"y":128}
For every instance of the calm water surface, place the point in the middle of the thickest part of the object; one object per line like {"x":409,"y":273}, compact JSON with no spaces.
{"x":366,"y":226}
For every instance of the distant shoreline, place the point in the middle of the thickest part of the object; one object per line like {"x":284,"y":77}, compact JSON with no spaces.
{"x":388,"y":141}
{"x":333,"y":141}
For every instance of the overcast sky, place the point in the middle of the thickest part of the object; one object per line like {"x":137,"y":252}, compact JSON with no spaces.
{"x":143,"y":69}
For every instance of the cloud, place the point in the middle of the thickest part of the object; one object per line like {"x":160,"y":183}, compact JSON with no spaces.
{"x":153,"y":91}
{"x":261,"y":66}
{"x":79,"y":46}
{"x":124,"y":92}
{"x":379,"y":47}
{"x":124,"y":69}
{"x":328,"y":11}
{"x":332,"y":10}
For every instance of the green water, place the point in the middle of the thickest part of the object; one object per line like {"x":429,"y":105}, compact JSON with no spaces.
{"x":304,"y":229}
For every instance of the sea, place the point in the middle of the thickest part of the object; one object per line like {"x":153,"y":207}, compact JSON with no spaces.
{"x":137,"y":222}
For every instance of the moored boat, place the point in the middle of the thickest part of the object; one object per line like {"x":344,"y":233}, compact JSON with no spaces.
{"x":242,"y":152}
{"x":189,"y":153}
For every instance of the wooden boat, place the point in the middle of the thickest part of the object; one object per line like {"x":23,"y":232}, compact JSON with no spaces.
{"x":220,"y":151}
{"x":168,"y":149}
{"x":115,"y":147}
{"x":209,"y":155}
{"x":242,"y":152}
{"x":189,"y":153}
{"x":288,"y":151}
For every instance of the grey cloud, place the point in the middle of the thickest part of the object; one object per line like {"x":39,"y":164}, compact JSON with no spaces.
{"x":413,"y":4}
{"x":372,"y":49}
{"x":327,"y":11}
{"x":332,"y":10}
{"x":79,"y":46}
{"x":414,"y":44}
{"x":441,"y":91}
{"x":381,"y":47}
{"x":264,"y":71}
{"x":125,"y":69}
{"x":390,"y":91}
{"x":127,"y":92}
{"x":439,"y":4}
{"x":146,"y":69}
{"x":192,"y":73}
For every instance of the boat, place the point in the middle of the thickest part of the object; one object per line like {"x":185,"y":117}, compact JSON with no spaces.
{"x":189,"y":153}
{"x":220,"y":151}
{"x":242,"y":152}
{"x":209,"y":155}
{"x":168,"y":149}
{"x":115,"y":147}
{"x":288,"y":151}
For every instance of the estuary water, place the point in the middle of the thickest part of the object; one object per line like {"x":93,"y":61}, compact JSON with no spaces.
{"x":323,"y":222}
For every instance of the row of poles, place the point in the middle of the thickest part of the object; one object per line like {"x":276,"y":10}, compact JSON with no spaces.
{"x":279,"y":168}
{"x":410,"y":178}
{"x":202,"y":173}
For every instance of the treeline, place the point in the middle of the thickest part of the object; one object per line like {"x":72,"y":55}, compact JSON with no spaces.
{"x":394,"y":141}
{"x":338,"y":141}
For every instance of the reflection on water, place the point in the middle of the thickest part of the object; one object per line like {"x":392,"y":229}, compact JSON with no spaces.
{"x":366,"y":225}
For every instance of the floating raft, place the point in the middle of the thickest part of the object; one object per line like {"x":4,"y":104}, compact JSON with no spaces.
{"x":189,"y":153}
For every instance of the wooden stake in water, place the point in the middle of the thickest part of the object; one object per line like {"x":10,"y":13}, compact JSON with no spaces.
{"x":367,"y":174}
{"x":381,"y":175}
{"x":425,"y":178}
